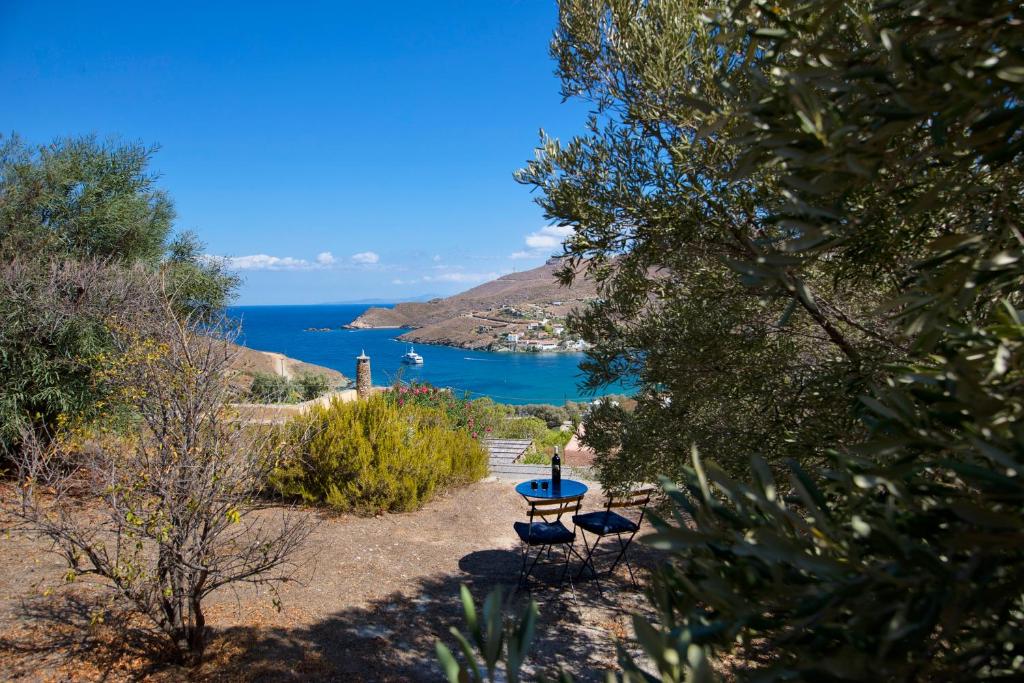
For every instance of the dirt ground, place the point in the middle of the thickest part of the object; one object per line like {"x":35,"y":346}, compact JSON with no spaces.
{"x":369,"y":600}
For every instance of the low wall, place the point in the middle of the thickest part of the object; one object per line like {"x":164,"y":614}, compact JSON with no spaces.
{"x":281,"y":412}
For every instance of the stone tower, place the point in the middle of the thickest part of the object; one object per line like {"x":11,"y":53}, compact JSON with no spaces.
{"x":363,"y":382}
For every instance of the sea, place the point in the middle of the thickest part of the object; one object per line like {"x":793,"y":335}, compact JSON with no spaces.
{"x":514,"y":378}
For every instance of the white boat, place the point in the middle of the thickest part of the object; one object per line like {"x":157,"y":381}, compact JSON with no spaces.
{"x":412,"y":358}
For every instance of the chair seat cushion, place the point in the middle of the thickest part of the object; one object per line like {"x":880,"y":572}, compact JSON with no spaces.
{"x":543,"y":533}
{"x":604,"y":522}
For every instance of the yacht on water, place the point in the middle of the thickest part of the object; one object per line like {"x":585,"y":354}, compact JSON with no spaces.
{"x":412,"y":358}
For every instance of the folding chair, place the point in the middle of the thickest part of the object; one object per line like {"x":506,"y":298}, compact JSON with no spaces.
{"x":606,"y":523}
{"x":545,"y":535}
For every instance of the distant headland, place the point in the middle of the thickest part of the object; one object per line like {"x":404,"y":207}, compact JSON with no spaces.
{"x":522,"y":312}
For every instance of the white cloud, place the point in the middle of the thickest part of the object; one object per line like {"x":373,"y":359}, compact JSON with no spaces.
{"x":451,"y":274}
{"x":543,"y":242}
{"x":461,"y":277}
{"x":548,"y":237}
{"x":437,"y":258}
{"x":267,"y":262}
{"x":365,"y":258}
{"x":324,"y":260}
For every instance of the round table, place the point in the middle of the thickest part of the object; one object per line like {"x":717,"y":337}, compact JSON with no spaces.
{"x":568,"y":489}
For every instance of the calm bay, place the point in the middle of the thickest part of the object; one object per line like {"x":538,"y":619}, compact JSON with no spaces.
{"x":514,"y":378}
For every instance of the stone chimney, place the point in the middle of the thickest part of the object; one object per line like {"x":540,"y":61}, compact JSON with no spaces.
{"x":364,"y":384}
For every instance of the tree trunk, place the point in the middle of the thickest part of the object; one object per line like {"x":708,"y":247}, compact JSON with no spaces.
{"x":197,"y":632}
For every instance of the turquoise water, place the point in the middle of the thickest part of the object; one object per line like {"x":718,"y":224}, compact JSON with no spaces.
{"x":505,"y":377}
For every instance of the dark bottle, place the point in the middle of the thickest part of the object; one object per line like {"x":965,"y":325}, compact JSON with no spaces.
{"x":556,"y":470}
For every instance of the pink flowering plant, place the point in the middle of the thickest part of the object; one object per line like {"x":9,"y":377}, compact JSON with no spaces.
{"x":479,"y":416}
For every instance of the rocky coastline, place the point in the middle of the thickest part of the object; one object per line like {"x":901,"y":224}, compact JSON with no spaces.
{"x":518,"y":312}
{"x":482,"y":342}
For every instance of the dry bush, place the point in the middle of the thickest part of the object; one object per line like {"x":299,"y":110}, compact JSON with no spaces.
{"x":176,"y":492}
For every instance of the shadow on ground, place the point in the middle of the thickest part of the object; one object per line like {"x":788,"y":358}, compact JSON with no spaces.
{"x":78,"y":634}
{"x":391,"y":639}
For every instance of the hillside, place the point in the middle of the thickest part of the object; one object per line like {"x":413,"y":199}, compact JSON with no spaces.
{"x":249,"y":362}
{"x":531,"y":306}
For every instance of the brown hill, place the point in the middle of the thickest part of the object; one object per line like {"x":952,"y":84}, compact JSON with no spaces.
{"x":249,"y":362}
{"x":530,"y":289}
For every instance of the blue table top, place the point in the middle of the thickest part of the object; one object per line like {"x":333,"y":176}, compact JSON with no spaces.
{"x":568,"y":489}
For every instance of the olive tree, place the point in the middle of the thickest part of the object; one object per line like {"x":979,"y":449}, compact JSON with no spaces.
{"x":671,"y":221}
{"x":53,"y":328}
{"x":833,"y":188}
{"x":163,"y":513}
{"x":66,"y":209}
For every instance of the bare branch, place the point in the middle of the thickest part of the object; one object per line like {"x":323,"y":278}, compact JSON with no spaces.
{"x":163,"y":514}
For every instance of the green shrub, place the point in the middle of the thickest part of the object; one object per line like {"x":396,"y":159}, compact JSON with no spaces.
{"x":375,"y":455}
{"x":552,"y":438}
{"x":311,"y":386}
{"x":544,"y":447}
{"x":553,"y":416}
{"x":480,"y":417}
{"x":534,"y":428}
{"x":521,"y":428}
{"x":83,"y":224}
{"x":537,"y":458}
{"x":268,"y":388}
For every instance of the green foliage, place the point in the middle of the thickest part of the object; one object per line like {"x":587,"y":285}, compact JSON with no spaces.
{"x":312,"y":386}
{"x":483,"y":418}
{"x":201,"y":286}
{"x":273,"y":388}
{"x":905,"y":563}
{"x":518,"y":633}
{"x":77,"y":218}
{"x":803,"y":219}
{"x":174,"y":494}
{"x":522,"y":428}
{"x":661,"y":223}
{"x":552,"y":438}
{"x":493,"y":639}
{"x":544,"y":438}
{"x":269,"y":387}
{"x":375,"y":455}
{"x":480,"y":417}
{"x":537,"y":458}
{"x":37,"y":385}
{"x":553,"y":416}
{"x":81,"y":198}
{"x":900,"y":560}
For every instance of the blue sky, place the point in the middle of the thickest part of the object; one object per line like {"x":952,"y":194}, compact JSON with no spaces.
{"x":336,"y":151}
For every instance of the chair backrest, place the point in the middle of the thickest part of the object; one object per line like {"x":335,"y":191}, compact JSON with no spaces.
{"x":637,"y":499}
{"x":556,"y":508}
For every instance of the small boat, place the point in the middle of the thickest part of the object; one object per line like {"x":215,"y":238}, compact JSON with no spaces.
{"x":412,"y":358}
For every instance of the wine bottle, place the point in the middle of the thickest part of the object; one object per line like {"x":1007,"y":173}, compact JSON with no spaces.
{"x":556,"y":470}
